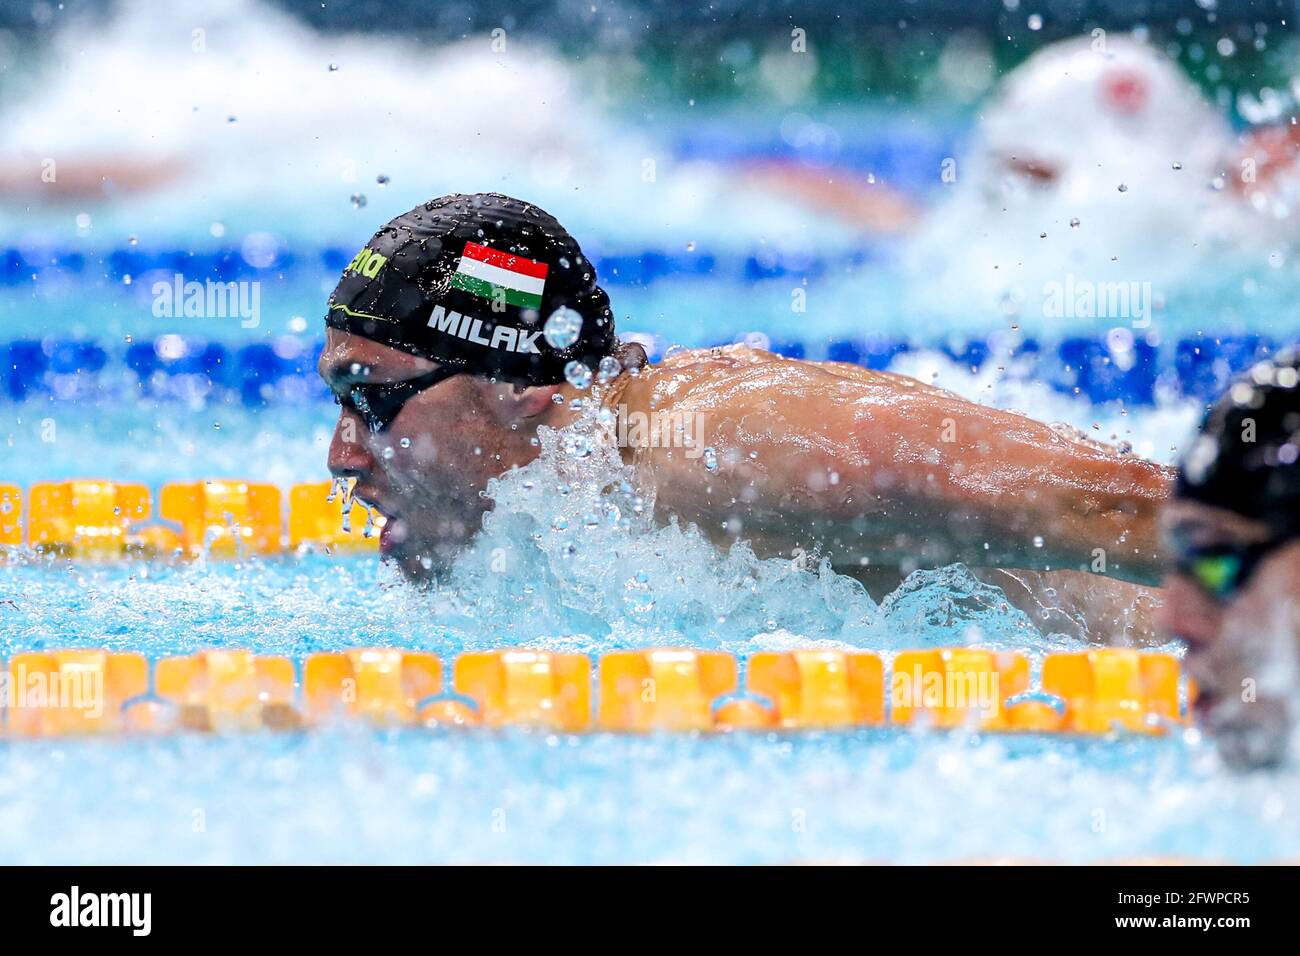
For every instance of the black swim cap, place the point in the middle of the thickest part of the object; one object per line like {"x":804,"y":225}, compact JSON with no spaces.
{"x":1245,"y":458}
{"x":485,"y":282}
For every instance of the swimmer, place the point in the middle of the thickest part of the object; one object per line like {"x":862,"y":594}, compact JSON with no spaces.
{"x":1082,"y":116}
{"x":1233,"y":533}
{"x":28,"y":178}
{"x":1095,"y":157}
{"x":447,"y":349}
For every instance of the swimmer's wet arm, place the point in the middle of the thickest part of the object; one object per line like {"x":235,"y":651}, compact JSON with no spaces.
{"x":874,"y":468}
{"x":912,"y":476}
{"x":1011,"y":490}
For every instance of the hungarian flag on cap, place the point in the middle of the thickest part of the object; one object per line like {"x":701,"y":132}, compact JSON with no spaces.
{"x":500,"y":276}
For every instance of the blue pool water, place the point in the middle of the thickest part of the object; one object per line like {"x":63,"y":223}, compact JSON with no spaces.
{"x":355,"y":794}
{"x":95,"y":383}
{"x":415,"y":797}
{"x":360,"y":795}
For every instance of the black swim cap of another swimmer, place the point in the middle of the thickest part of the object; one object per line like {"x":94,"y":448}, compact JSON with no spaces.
{"x":1246,"y":458}
{"x":473,"y":281}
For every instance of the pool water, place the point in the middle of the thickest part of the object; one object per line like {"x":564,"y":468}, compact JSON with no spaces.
{"x":451,"y":796}
{"x":361,"y":795}
{"x":356,"y":794}
{"x":697,"y":254}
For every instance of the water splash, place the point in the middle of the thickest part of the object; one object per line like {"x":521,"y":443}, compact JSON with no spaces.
{"x":573,"y":555}
{"x":344,"y":487}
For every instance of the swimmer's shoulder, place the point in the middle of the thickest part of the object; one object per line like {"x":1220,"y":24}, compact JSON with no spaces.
{"x":684,"y":370}
{"x":716,"y":357}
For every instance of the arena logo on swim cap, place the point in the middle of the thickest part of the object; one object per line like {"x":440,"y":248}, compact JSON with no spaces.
{"x":367,"y":263}
{"x":500,"y":277}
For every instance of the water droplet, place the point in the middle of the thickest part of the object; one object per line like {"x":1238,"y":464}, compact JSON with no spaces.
{"x":382,"y":180}
{"x":609,"y":369}
{"x":1074,"y":223}
{"x":562,"y":328}
{"x":710,"y":459}
{"x":576,"y":373}
{"x":334,"y":67}
{"x":1177,"y":166}
{"x":358,"y":200}
{"x":577,"y":446}
{"x":1038,"y":541}
{"x":405,"y":443}
{"x":1123,"y":188}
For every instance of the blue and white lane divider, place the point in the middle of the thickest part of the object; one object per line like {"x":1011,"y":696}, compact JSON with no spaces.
{"x":270,"y":257}
{"x":183,"y":368}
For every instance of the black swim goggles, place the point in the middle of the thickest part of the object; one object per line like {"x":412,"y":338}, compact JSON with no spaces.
{"x":1221,"y":570}
{"x":380,"y":403}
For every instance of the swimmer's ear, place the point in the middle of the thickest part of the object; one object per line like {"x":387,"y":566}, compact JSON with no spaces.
{"x":527,"y":401}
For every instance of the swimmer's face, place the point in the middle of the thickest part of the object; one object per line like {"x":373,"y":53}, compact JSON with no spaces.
{"x":1234,"y":643}
{"x":426,"y":469}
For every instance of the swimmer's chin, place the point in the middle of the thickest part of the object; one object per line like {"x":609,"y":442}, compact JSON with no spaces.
{"x":420,"y":565}
{"x":417,"y":569}
{"x":1250,"y":736}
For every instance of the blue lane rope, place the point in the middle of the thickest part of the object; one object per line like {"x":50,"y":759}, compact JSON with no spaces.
{"x":20,"y":266}
{"x":189,"y":369}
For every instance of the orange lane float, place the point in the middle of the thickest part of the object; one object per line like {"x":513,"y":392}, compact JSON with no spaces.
{"x":228,"y":690}
{"x":527,"y":688}
{"x":1114,"y":689}
{"x":820,"y":688}
{"x":11,"y":516}
{"x":71,"y":691}
{"x":218,"y":518}
{"x":224,"y":519}
{"x":954,"y":687}
{"x":382,"y":685}
{"x":85,"y":519}
{"x":657,"y":689}
{"x":316,"y":518}
{"x":663,"y":689}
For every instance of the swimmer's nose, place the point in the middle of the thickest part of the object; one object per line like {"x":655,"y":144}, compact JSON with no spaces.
{"x":348,"y":455}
